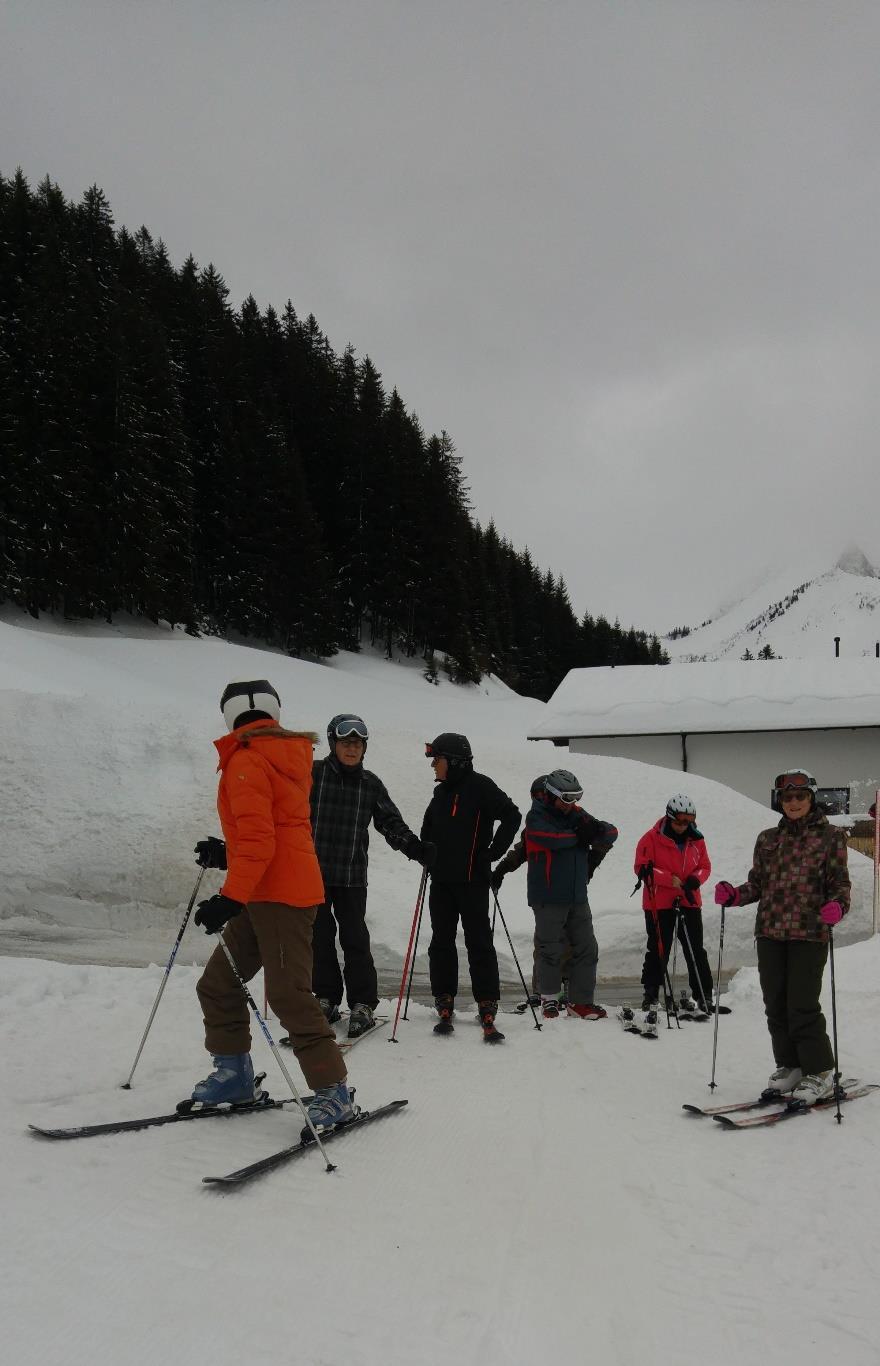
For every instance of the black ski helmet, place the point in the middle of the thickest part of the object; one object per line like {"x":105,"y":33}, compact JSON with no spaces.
{"x":455,"y":749}
{"x":247,"y":700}
{"x":344,"y":725}
{"x":538,"y":788}
{"x":563,"y":784}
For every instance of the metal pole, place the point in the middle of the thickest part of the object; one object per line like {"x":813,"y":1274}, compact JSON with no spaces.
{"x":877,"y":861}
{"x":515,"y":959}
{"x":274,"y":1047}
{"x":417,"y":911}
{"x":838,"y":1116}
{"x":412,"y":961}
{"x":713,"y":1083}
{"x":692,"y":962}
{"x":126,"y":1085}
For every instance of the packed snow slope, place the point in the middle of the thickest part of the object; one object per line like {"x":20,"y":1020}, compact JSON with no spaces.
{"x":798,"y":612}
{"x":545,"y":1200}
{"x":108,"y":780}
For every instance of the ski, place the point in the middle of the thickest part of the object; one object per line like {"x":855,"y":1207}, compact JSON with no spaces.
{"x":627,"y":1017}
{"x":345,"y":1043}
{"x":123,"y":1126}
{"x":492,"y":1035}
{"x":268,"y":1164}
{"x":767,"y":1097}
{"x":791,"y":1109}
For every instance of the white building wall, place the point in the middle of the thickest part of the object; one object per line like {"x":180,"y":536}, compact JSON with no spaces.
{"x":749,"y":762}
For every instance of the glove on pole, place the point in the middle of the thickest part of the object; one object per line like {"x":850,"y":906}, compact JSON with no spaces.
{"x":126,"y":1085}
{"x":417,"y":916}
{"x":516,"y":960}
{"x":274,"y":1047}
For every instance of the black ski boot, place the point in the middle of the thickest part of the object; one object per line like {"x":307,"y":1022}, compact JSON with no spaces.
{"x":487,"y":1011}
{"x":445,"y":1006}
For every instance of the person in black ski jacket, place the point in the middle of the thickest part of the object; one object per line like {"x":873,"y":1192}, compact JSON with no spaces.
{"x":345,"y":798}
{"x":460,"y":821}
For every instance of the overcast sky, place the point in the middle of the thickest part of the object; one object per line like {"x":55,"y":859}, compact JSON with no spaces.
{"x":625,"y":253}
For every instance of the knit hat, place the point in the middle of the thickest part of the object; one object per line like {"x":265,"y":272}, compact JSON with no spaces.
{"x":247,"y":700}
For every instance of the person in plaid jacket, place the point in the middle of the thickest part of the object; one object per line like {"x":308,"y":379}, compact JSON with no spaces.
{"x":800,"y":881}
{"x":345,"y":798}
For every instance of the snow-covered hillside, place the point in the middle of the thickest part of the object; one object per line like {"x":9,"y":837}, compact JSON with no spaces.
{"x":108,"y":780}
{"x":797,"y":612}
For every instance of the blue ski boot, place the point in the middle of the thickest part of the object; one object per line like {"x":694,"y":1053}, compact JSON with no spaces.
{"x":231,"y":1082}
{"x":329,"y":1107}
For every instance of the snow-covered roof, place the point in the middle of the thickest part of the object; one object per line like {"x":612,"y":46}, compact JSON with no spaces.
{"x":756,"y":695}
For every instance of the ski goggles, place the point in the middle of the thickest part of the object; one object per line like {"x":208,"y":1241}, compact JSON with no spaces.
{"x":793,"y":782}
{"x":688,"y":816}
{"x":351,"y":728}
{"x":571,"y":798}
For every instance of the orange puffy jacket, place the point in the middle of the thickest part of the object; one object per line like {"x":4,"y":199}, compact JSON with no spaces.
{"x":263,"y":801}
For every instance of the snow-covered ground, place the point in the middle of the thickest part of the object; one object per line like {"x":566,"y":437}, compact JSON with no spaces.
{"x":545,"y":1200}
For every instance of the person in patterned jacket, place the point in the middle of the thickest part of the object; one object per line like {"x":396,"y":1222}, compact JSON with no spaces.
{"x":345,"y":798}
{"x":800,"y":881}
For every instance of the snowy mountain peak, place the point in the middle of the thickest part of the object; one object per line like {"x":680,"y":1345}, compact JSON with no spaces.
{"x":855,"y":561}
{"x":795,"y":614}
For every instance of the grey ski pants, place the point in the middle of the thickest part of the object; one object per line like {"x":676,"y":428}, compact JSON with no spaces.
{"x":561,"y":926}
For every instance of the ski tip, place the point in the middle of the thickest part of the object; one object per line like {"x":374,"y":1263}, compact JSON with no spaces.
{"x":725,"y":1121}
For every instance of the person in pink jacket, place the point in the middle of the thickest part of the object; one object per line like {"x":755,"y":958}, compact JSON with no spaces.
{"x":672,"y":864}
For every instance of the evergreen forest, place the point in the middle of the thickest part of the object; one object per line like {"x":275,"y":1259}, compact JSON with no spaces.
{"x":167,"y":455}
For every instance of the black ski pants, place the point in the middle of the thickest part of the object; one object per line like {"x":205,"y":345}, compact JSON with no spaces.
{"x":448,"y":903}
{"x":791,"y":972}
{"x":690,"y":931}
{"x":345,"y":908}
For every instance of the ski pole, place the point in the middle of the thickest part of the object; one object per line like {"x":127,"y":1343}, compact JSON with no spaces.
{"x":126,"y":1085}
{"x":417,"y":913}
{"x":838,"y":1116}
{"x":713,"y":1083}
{"x":274,"y":1047}
{"x":412,"y":961}
{"x":676,"y":930}
{"x":692,"y":962}
{"x":515,"y":959}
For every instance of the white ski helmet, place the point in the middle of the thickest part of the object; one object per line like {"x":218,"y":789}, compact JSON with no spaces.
{"x":249,"y":700}
{"x":680,"y":804}
{"x":793,"y":780}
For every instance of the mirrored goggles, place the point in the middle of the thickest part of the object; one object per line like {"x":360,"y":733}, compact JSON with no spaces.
{"x":351,"y":728}
{"x":792,"y":780}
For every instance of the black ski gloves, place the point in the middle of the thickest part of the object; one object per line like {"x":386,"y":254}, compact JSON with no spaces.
{"x":423,"y":851}
{"x":211,"y":853}
{"x":213,"y":914}
{"x":496,"y":878}
{"x":689,"y":886}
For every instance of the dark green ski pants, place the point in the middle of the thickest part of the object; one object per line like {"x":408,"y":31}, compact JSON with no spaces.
{"x":791,"y":980}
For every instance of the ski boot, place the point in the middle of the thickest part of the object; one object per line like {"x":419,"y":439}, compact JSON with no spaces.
{"x":648,"y":1022}
{"x":360,"y":1021}
{"x":329,"y":1108}
{"x":231,"y":1083}
{"x":445,"y":1006}
{"x":487,"y":1011}
{"x":329,"y":1009}
{"x":627,"y":1017}
{"x":812,"y":1088}
{"x":782,"y":1081}
{"x":587,"y":1012}
{"x":550,"y":1007}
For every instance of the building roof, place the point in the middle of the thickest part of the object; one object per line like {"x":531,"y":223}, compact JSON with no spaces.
{"x":671,"y":699}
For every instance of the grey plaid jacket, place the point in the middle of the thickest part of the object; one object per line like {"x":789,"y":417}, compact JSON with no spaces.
{"x":343,"y":804}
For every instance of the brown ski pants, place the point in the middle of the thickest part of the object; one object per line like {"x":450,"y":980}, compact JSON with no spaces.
{"x":277,"y":938}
